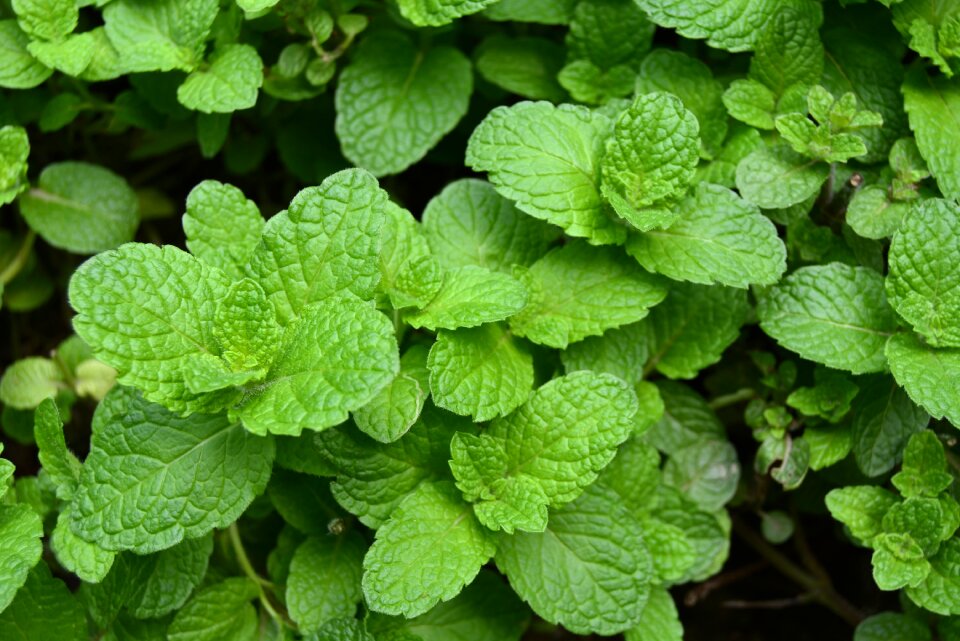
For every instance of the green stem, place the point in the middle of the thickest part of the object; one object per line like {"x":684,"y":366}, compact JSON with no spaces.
{"x":262,"y":584}
{"x":733,"y":398}
{"x":19,"y":260}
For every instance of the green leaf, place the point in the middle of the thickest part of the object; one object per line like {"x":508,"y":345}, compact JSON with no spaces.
{"x":60,"y":464}
{"x":89,"y":561}
{"x":222,"y":226}
{"x":660,"y":621}
{"x":920,"y":518}
{"x":469,"y":223}
{"x":14,"y":150}
{"x":898,"y":562}
{"x":693,"y":83}
{"x":486,"y":610}
{"x":562,"y":437}
{"x":161,"y":35}
{"x":410,"y":275}
{"x":891,"y":625}
{"x":777,"y":177}
{"x":482,"y":372}
{"x":751,"y":102}
{"x":538,"y":11}
{"x":940,"y":591}
{"x":589,"y":84}
{"x":44,"y":610}
{"x":578,"y":291}
{"x":27,"y":382}
{"x":924,"y":280}
{"x":18,"y":69}
{"x":734,"y":25}
{"x":395,"y":102}
{"x":20,"y":548}
{"x":608,"y":33}
{"x":622,"y":351}
{"x":146,"y":465}
{"x":788,"y":51}
{"x":847,"y":304}
{"x":884,"y":418}
{"x":861,"y":508}
{"x":634,"y":474}
{"x":246,"y":327}
{"x":157,"y":310}
{"x":397,"y":406}
{"x":526,"y":66}
{"x":436,"y":13}
{"x":304,"y":501}
{"x":828,"y":444}
{"x":933,"y":105}
{"x":219,"y":611}
{"x":930,"y":376}
{"x":230,"y":83}
{"x":547,"y":160}
{"x":687,"y":419}
{"x":373,"y":478}
{"x":431,"y":547}
{"x":471,"y":296}
{"x":718,"y":238}
{"x":46,"y":19}
{"x":172,"y":579}
{"x":651,"y":155}
{"x":82,"y":208}
{"x":707,"y":472}
{"x":924,"y":470}
{"x":829,"y":398}
{"x":872,"y":214}
{"x":589,"y":571}
{"x":324,"y":581}
{"x":325,"y":244}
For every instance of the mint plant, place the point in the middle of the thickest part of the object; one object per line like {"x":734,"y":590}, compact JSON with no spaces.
{"x":496,"y":319}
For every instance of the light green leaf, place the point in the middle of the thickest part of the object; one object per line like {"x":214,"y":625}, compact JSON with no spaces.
{"x":82,"y":208}
{"x":634,"y":474}
{"x":27,"y":382}
{"x":431,"y":547}
{"x":324,"y":581}
{"x":751,"y":102}
{"x":60,"y":465}
{"x":159,"y":35}
{"x":622,"y":351}
{"x":219,"y":611}
{"x":847,"y":304}
{"x":471,"y":296}
{"x":395,"y":102}
{"x":44,"y":610}
{"x":469,"y":223}
{"x":230,"y":83}
{"x":20,"y":548}
{"x":153,"y":478}
{"x":872,"y":214}
{"x":14,"y":150}
{"x":777,"y":177}
{"x":547,"y":160}
{"x":718,"y":238}
{"x":924,"y":280}
{"x":898,"y":562}
{"x":660,"y":621}
{"x":410,"y":275}
{"x":157,"y":310}
{"x":397,"y":406}
{"x":933,"y":105}
{"x":940,"y":591}
{"x":436,"y":13}
{"x":325,"y":244}
{"x":173,"y":578}
{"x":557,"y":12}
{"x":46,"y":19}
{"x":828,"y":444}
{"x":884,"y":418}
{"x":222,"y":226}
{"x":829,"y":398}
{"x":71,"y":55}
{"x":18,"y":69}
{"x":90,"y":562}
{"x":930,"y":376}
{"x":924,"y":470}
{"x":707,"y":472}
{"x":578,"y":291}
{"x":861,"y":508}
{"x":687,"y":419}
{"x":608,"y":33}
{"x":482,"y":372}
{"x":891,"y":625}
{"x":526,"y":66}
{"x":651,"y":155}
{"x":788,"y":51}
{"x":589,"y":571}
{"x":372,"y":478}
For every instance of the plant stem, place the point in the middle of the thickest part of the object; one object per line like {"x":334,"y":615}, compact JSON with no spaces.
{"x":19,"y":260}
{"x":822,"y":592}
{"x":262,"y":584}
{"x":744,"y":394}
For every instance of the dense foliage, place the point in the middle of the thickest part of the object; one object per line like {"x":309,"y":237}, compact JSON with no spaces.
{"x":487,"y":319}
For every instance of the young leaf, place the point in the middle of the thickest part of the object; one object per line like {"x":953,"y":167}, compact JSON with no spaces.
{"x":469,"y":297}
{"x":924,"y":471}
{"x":397,"y":406}
{"x":409,"y":274}
{"x":424,"y":13}
{"x":431,"y":530}
{"x":60,"y":464}
{"x":230,"y":83}
{"x":27,"y":382}
{"x":222,"y":226}
{"x":777,"y":177}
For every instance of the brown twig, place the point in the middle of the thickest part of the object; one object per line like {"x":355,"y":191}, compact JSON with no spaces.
{"x":701,"y":591}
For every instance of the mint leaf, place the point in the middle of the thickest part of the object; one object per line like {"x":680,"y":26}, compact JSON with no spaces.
{"x":846,"y":303}
{"x":578,"y":291}
{"x":27,"y":382}
{"x":46,"y":19}
{"x":146,"y":463}
{"x":14,"y":150}
{"x":325,"y":244}
{"x":933,"y":104}
{"x":608,"y":33}
{"x":60,"y":464}
{"x":884,"y":418}
{"x":44,"y":609}
{"x":410,"y":275}
{"x":159,"y":36}
{"x":18,"y":69}
{"x":924,"y":471}
{"x":230,"y":83}
{"x":622,"y":351}
{"x":940,"y":590}
{"x":589,"y":571}
{"x":431,"y":526}
{"x":930,"y":376}
{"x":390,"y":112}
{"x":439,"y":12}
{"x":924,"y":280}
{"x":788,"y":51}
{"x":898,"y":562}
{"x":687,"y":419}
{"x":87,"y":560}
{"x":471,"y":296}
{"x":890,"y":625}
{"x":718,"y":238}
{"x":706,"y":472}
{"x":526,"y":66}
{"x":219,"y":611}
{"x":222,"y":226}
{"x":861,"y":508}
{"x":482,"y":372}
{"x":397,"y":406}
{"x":777,"y":177}
{"x":157,"y":311}
{"x":469,"y":223}
{"x":651,"y":155}
{"x":547,"y":160}
{"x":660,"y":621}
{"x":20,"y":532}
{"x":872,"y":214}
{"x":324,"y":580}
{"x":175,"y":574}
{"x":82,"y":208}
